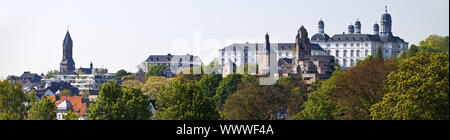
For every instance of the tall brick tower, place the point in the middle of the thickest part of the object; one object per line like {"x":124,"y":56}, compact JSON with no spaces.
{"x":67,"y":65}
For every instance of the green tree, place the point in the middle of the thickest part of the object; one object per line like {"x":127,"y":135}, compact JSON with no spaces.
{"x":226,"y":87}
{"x":209,"y":84}
{"x":418,"y":90}
{"x":320,"y":105}
{"x":43,"y":110}
{"x":182,"y":99}
{"x":379,"y":54}
{"x":155,"y":70}
{"x":252,"y":101}
{"x":121,"y":73}
{"x":70,"y":115}
{"x":12,"y":101}
{"x":115,"y":103}
{"x":153,"y":85}
{"x":51,"y":73}
{"x":133,"y":105}
{"x":435,"y":43}
{"x":360,"y":88}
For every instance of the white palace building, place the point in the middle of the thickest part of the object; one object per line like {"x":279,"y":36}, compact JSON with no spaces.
{"x":348,"y":48}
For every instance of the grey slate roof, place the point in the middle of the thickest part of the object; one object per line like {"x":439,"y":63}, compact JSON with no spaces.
{"x":320,"y":37}
{"x":364,"y":37}
{"x":316,"y":47}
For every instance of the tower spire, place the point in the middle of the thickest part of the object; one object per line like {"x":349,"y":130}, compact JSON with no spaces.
{"x":385,"y":8}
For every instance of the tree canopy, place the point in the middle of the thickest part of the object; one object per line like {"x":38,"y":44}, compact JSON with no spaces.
{"x":182,"y":99}
{"x":12,"y":101}
{"x":418,"y":90}
{"x":43,"y":110}
{"x":118,"y":103}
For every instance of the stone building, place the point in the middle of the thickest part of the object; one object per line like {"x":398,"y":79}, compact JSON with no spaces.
{"x":352,"y":46}
{"x":173,"y":63}
{"x":302,"y":57}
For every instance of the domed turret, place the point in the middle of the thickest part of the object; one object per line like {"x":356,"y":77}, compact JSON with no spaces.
{"x":376,"y":29}
{"x":321,"y":26}
{"x":386,"y":24}
{"x":358,"y":27}
{"x":351,"y":29}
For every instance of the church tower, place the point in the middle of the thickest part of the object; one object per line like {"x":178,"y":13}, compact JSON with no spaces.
{"x":302,"y":44}
{"x":67,"y":65}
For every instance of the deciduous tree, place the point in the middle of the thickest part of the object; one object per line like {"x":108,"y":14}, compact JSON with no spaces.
{"x":418,"y":90}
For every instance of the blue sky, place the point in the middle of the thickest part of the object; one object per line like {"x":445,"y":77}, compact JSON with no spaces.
{"x":119,"y":34}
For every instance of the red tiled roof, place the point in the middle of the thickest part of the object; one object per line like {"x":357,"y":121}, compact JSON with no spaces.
{"x":77,"y":105}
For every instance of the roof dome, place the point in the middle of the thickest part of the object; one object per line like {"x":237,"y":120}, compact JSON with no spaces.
{"x":351,"y":27}
{"x":376,"y":25}
{"x":386,"y":17}
{"x":321,"y":22}
{"x":320,"y":37}
{"x":358,"y":23}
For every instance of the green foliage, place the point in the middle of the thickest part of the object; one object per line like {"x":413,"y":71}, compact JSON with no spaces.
{"x":183,"y":99}
{"x":226,"y":87}
{"x":70,"y":115}
{"x":435,"y":43}
{"x":43,"y":110}
{"x":51,"y":73}
{"x":153,"y":85}
{"x":209,"y":84}
{"x":320,"y":105}
{"x":12,"y":101}
{"x":418,"y":90}
{"x":255,"y":102}
{"x":379,"y":54}
{"x":133,"y":105}
{"x":361,"y":87}
{"x":365,"y":60}
{"x":115,"y":103}
{"x":155,"y":70}
{"x":121,"y":73}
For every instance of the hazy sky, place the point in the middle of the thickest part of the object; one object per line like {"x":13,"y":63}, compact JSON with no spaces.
{"x":119,"y":34}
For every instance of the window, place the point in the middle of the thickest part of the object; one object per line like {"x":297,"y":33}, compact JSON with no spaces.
{"x":351,"y":53}
{"x":328,"y":45}
{"x":345,"y":44}
{"x":351,"y":45}
{"x":337,"y":53}
{"x":345,"y":53}
{"x":287,"y":53}
{"x":337,"y":44}
{"x":280,"y":54}
{"x":367,"y":44}
{"x":367,"y":53}
{"x":357,"y":45}
{"x":357,"y":53}
{"x":345,"y":63}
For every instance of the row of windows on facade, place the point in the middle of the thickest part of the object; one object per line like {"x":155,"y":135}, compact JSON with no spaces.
{"x":358,"y":52}
{"x":352,"y":53}
{"x":345,"y":62}
{"x":246,"y":54}
{"x":357,"y":45}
